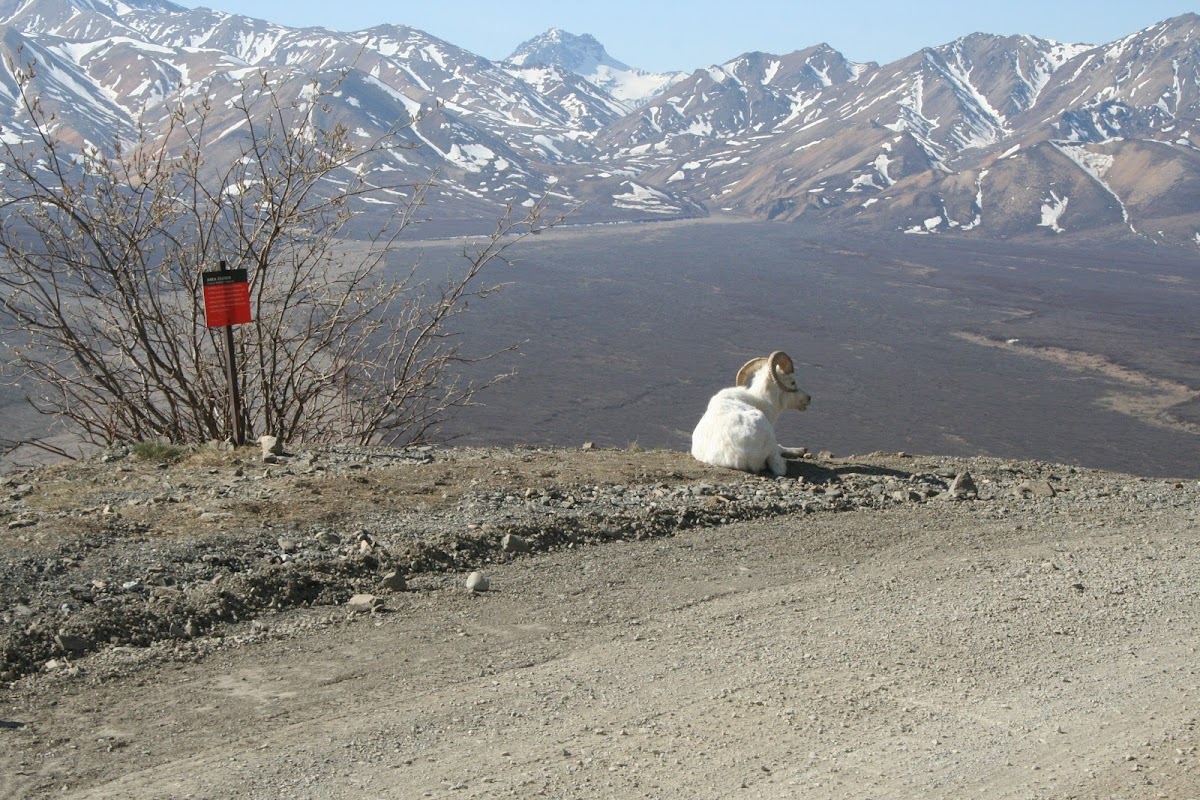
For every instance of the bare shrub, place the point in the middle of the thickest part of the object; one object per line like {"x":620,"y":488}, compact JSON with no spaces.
{"x":103,"y":253}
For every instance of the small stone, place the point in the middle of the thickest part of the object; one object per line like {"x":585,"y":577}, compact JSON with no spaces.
{"x":22,"y":523}
{"x":328,"y":537}
{"x":478,"y":582}
{"x":511,"y":543}
{"x":71,"y":644}
{"x":962,"y":487}
{"x":588,"y":446}
{"x":1036,"y":489}
{"x":394,"y":582}
{"x":364,"y":603}
{"x":286,"y":545}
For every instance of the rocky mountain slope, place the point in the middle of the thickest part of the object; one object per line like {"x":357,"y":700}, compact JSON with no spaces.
{"x":132,"y":550}
{"x":995,"y":135}
{"x":219,"y":626}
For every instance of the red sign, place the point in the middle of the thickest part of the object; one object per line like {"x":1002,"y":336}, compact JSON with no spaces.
{"x":226,"y":298}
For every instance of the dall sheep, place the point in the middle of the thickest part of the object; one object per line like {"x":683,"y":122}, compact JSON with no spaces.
{"x":738,"y":428}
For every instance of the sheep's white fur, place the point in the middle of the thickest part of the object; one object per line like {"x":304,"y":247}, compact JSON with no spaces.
{"x":738,"y":428}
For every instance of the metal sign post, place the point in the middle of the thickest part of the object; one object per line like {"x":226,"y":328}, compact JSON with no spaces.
{"x":227,"y":303}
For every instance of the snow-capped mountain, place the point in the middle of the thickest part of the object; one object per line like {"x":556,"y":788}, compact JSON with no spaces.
{"x":1002,"y":135}
{"x":585,"y":56}
{"x":992,"y":135}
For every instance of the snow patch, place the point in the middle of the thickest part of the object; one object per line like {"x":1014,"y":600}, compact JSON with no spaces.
{"x":644,"y":198}
{"x":1052,"y":211}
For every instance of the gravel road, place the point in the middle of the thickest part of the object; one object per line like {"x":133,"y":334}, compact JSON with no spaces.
{"x":855,"y":631}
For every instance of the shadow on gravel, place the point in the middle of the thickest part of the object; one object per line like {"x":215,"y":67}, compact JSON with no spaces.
{"x":813,"y":472}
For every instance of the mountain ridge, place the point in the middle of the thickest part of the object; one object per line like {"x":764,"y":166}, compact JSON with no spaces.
{"x":990,"y":135}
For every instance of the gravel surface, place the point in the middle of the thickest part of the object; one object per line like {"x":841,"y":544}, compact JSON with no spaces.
{"x":595,"y":623}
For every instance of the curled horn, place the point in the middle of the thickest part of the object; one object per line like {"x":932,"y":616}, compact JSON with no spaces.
{"x":778,"y":362}
{"x":746,"y":373}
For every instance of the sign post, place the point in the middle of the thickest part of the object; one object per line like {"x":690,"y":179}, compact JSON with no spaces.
{"x":227,"y":303}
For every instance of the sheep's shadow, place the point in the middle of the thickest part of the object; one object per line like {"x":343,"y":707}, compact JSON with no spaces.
{"x":7,"y":725}
{"x":813,"y":472}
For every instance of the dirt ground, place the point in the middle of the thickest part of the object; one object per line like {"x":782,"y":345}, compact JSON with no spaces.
{"x":856,"y":630}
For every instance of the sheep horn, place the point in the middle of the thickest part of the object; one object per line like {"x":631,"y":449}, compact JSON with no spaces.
{"x":746,"y":373}
{"x":780,"y":361}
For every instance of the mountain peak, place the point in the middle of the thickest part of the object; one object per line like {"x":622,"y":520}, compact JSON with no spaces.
{"x":581,"y":54}
{"x":586,"y":57}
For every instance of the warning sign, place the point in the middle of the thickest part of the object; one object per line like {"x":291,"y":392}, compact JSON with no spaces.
{"x":226,"y":298}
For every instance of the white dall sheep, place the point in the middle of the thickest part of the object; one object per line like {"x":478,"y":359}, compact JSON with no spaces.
{"x":738,"y":428}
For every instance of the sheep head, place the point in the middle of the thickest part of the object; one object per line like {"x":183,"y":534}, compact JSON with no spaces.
{"x":781,"y":369}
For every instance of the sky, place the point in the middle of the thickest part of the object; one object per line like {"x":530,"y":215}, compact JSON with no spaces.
{"x":668,"y":35}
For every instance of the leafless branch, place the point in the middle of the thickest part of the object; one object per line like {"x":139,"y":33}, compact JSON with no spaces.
{"x":104,"y":253}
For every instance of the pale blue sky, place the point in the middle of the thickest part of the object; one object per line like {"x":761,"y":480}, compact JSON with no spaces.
{"x":661,"y":35}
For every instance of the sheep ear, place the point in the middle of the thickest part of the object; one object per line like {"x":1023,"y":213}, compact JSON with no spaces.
{"x":746,"y":373}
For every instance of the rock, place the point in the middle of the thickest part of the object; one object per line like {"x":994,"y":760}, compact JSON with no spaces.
{"x":962,"y":487}
{"x":511,"y":543}
{"x":1036,"y":489}
{"x":286,"y":545}
{"x":328,"y":537}
{"x":477,"y":582}
{"x":588,"y":446}
{"x":271,"y":446}
{"x":394,"y":582}
{"x":71,"y":644}
{"x":364,"y":603}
